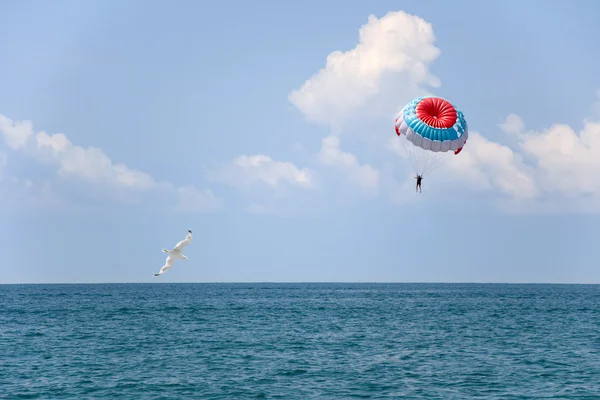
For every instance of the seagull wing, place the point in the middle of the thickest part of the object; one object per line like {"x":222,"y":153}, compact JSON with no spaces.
{"x":184,"y":242}
{"x":168,"y":264}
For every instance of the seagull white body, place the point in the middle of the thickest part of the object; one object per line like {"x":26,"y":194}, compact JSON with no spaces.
{"x":176,"y":253}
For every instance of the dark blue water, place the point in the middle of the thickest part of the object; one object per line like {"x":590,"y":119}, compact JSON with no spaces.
{"x":299,"y":341}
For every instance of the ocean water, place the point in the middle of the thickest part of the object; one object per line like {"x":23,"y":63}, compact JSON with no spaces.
{"x":299,"y":341}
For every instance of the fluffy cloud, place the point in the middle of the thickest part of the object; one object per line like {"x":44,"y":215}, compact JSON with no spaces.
{"x":89,"y":164}
{"x":484,"y":164}
{"x":365,"y":176}
{"x":513,"y":124}
{"x":267,"y":186}
{"x":566,"y":162}
{"x":397,"y":44}
{"x":16,"y":135}
{"x":93,"y":166}
{"x":247,"y":170}
{"x":556,"y":169}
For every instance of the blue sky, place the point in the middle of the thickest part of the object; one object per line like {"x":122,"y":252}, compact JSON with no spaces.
{"x":267,"y":129}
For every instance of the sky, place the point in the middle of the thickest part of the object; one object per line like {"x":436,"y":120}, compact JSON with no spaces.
{"x":268,"y":129}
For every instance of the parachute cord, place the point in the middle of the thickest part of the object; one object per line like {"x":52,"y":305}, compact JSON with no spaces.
{"x":410,"y":151}
{"x":436,"y":163}
{"x":438,"y":159}
{"x":423,"y":161}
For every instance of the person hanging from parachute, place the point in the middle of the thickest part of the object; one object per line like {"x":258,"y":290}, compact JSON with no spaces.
{"x":429,"y":128}
{"x":419,"y":178}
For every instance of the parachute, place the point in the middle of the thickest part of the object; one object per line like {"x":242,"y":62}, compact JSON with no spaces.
{"x":429,"y":128}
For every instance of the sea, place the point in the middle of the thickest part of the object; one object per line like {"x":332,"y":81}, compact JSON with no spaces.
{"x":299,"y":341}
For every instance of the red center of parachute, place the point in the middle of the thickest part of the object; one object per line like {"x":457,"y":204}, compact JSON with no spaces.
{"x":436,"y":112}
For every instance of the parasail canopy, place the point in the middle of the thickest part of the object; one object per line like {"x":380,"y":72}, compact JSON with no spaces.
{"x":430,"y":126}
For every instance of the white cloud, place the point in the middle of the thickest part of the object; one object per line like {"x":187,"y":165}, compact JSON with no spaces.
{"x":92,"y":165}
{"x":567,"y":162}
{"x":267,"y":186}
{"x":247,"y":170}
{"x":365,"y":176}
{"x":513,"y":124}
{"x":89,"y":164}
{"x":484,"y":164}
{"x":15,"y":135}
{"x":398,"y":43}
{"x":558,"y":166}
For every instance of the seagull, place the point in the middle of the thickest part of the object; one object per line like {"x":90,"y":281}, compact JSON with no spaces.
{"x":175,"y":253}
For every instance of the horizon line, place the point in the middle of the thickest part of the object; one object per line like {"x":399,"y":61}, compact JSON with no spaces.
{"x":301,"y":282}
